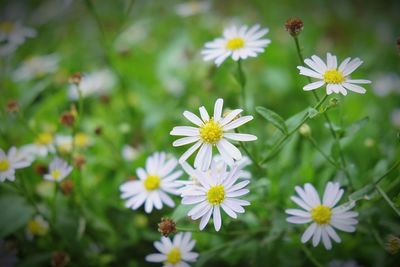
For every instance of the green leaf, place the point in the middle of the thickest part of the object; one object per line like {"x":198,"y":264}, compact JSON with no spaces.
{"x":273,"y":118}
{"x":15,"y":213}
{"x":180,"y":212}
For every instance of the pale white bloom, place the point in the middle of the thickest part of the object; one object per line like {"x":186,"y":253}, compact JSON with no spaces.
{"x":42,"y":146}
{"x":10,"y":162}
{"x":36,"y":67}
{"x":174,"y":253}
{"x":158,"y":179}
{"x":95,"y":83}
{"x":323,"y":215}
{"x":63,"y":143}
{"x":241,"y":165}
{"x":37,"y":226}
{"x":236,"y":42}
{"x":337,"y":79}
{"x":386,"y":84}
{"x":129,"y":153}
{"x":12,"y":35}
{"x":33,"y":151}
{"x":212,"y":132}
{"x":58,"y":170}
{"x":212,"y":191}
{"x":192,"y":8}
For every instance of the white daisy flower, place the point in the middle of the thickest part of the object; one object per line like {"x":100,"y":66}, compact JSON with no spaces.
{"x":154,"y":183}
{"x":58,"y":170}
{"x":129,"y":153}
{"x":13,"y":34}
{"x":236,"y":42}
{"x":37,"y":226}
{"x":192,"y":8}
{"x":174,"y":253}
{"x":212,"y":131}
{"x":336,"y":78}
{"x":36,"y":67}
{"x":10,"y":162}
{"x":215,"y":190}
{"x":324,"y":216}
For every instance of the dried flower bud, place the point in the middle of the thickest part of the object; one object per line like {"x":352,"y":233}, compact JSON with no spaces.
{"x":60,"y":259}
{"x":79,"y":161}
{"x":66,"y":187}
{"x":294,"y":26}
{"x":41,"y":169}
{"x":305,"y":130}
{"x":12,"y":106}
{"x":105,"y":99}
{"x":166,"y":227}
{"x":67,"y":119}
{"x":98,"y":130}
{"x":75,"y":78}
{"x":392,"y":244}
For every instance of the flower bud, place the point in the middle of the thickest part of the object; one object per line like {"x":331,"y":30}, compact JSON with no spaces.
{"x":305,"y":130}
{"x":66,"y":187}
{"x":75,"y":78}
{"x":67,"y":119}
{"x":60,"y":259}
{"x":294,"y":26}
{"x":79,"y":161}
{"x":166,"y":227}
{"x":12,"y":106}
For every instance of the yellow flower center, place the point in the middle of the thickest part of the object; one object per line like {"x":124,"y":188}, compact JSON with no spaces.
{"x":6,"y":27}
{"x":216,"y":194}
{"x":333,"y":76}
{"x":211,"y":132}
{"x":44,"y":139}
{"x":81,"y":140}
{"x":152,"y":182}
{"x":4,"y":165}
{"x":235,"y":43}
{"x":56,"y":174}
{"x":36,"y":228}
{"x":174,"y":256}
{"x":321,"y":214}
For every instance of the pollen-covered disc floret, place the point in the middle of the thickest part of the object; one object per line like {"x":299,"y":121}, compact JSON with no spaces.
{"x":324,"y":217}
{"x":155,"y":182}
{"x":58,"y":170}
{"x":337,"y":79}
{"x":212,"y":132}
{"x":175,"y":253}
{"x":13,"y":160}
{"x":213,"y":191}
{"x":237,"y":42}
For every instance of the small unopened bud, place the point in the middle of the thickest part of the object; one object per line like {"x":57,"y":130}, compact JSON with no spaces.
{"x":392,"y":244}
{"x":66,"y":187}
{"x":79,"y":161}
{"x":333,"y":102}
{"x":166,"y":227}
{"x":305,"y":130}
{"x":98,"y":130}
{"x":67,"y":119}
{"x":41,"y":169}
{"x":60,"y":259}
{"x":294,"y":26}
{"x":75,"y":78}
{"x":12,"y":106}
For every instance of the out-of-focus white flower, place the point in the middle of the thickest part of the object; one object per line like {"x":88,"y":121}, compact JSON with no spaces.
{"x":129,"y":153}
{"x":95,"y":83}
{"x":385,"y":84}
{"x":174,"y":253}
{"x":236,"y":42}
{"x":37,"y":226}
{"x":191,"y":8}
{"x":154,"y":182}
{"x":10,"y":162}
{"x":134,"y":34}
{"x":36,"y":66}
{"x":337,"y":79}
{"x":395,"y":117}
{"x":12,"y":35}
{"x":58,"y":170}
{"x":63,"y":143}
{"x":323,"y":215}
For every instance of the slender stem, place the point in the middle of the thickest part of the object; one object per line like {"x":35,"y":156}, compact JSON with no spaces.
{"x":310,"y":256}
{"x":314,"y":143}
{"x":54,"y":204}
{"x":241,"y":78}
{"x":80,"y":111}
{"x":391,"y":204}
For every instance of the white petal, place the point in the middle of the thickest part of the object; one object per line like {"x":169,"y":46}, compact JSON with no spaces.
{"x":217,"y":218}
{"x":230,"y":116}
{"x":240,"y":137}
{"x":299,"y":213}
{"x":313,"y":85}
{"x":185,"y":131}
{"x":218,"y":109}
{"x":204,"y":114}
{"x":189,"y":152}
{"x":352,"y":66}
{"x":204,"y":220}
{"x":186,"y":140}
{"x":236,"y":123}
{"x":233,"y":151}
{"x":325,"y":239}
{"x":298,"y":220}
{"x":193,"y":118}
{"x":228,"y":210}
{"x":317,"y":236}
{"x":308,"y":233}
{"x":360,"y":81}
{"x":157,"y":257}
{"x":354,"y":88}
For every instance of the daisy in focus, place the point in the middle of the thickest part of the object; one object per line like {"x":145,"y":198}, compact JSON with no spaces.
{"x":174,"y":253}
{"x":158,"y":179}
{"x":236,"y":42}
{"x":337,"y":79}
{"x":12,"y":35}
{"x":212,"y":191}
{"x":10,"y":162}
{"x":58,"y":170}
{"x":324,"y":216}
{"x":212,"y":132}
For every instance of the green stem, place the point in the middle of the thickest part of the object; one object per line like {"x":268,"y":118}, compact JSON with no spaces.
{"x":310,"y":256}
{"x":241,"y":78}
{"x":391,"y":204}
{"x":314,"y":143}
{"x":54,"y":204}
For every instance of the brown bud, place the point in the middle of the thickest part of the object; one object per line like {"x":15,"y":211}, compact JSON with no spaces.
{"x":105,"y":99}
{"x":41,"y":169}
{"x":75,"y":78}
{"x":66,"y":187}
{"x":67,"y":118}
{"x":79,"y":161}
{"x":166,"y":227}
{"x":294,"y":26}
{"x":98,"y":130}
{"x":60,"y":259}
{"x":12,"y":106}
